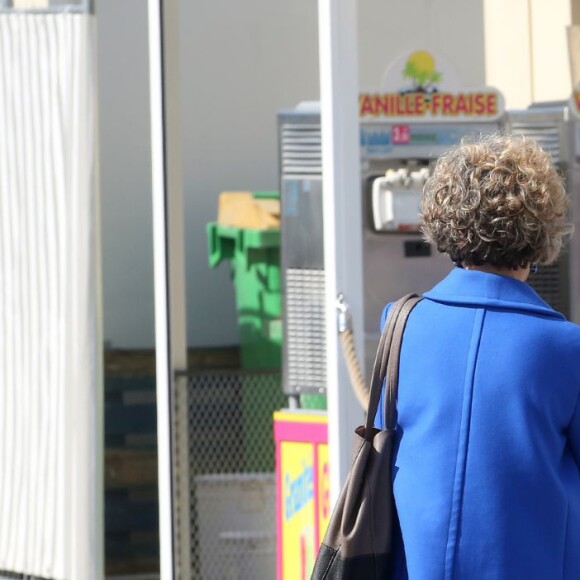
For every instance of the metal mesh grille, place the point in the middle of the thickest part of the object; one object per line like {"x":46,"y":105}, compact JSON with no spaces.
{"x":547,"y":135}
{"x":305,"y":334}
{"x":301,"y":150}
{"x":231,"y":460}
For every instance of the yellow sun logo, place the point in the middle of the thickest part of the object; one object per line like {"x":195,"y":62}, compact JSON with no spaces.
{"x":422,"y":61}
{"x":420,"y":68}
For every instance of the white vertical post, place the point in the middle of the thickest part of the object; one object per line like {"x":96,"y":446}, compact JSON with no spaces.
{"x":168,"y":252}
{"x":342,"y":216}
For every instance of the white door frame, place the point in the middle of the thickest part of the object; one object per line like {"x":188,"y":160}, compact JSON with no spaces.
{"x":169,"y":266}
{"x":342,"y":210}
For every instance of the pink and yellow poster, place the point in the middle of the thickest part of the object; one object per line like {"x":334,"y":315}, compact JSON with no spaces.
{"x":302,"y":490}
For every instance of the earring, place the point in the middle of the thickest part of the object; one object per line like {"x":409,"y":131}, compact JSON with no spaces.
{"x":534,"y":268}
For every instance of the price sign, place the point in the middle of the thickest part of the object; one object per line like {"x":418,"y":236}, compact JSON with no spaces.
{"x":401,"y":134}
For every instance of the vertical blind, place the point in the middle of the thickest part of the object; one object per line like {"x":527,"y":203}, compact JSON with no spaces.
{"x":50,"y":445}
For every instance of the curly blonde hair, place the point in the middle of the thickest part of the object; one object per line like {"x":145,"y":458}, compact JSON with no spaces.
{"x":497,"y":200}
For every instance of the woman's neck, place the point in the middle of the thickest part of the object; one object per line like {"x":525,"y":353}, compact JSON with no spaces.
{"x":519,"y":274}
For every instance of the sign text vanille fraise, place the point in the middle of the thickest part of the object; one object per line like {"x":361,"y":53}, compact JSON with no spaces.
{"x":419,"y":105}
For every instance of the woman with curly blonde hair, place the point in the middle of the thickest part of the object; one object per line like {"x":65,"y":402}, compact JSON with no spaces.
{"x":487,"y":470}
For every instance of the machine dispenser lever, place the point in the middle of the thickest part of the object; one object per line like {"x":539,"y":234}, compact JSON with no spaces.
{"x":396,"y":198}
{"x":343,"y":313}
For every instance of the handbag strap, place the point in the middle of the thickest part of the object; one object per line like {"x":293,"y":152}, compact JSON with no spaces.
{"x":389,"y":350}
{"x":394,"y":358}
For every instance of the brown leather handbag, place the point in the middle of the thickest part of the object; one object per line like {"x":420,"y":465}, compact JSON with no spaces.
{"x":358,"y":541}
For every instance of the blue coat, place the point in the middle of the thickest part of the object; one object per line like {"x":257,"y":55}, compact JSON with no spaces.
{"x":486,"y":476}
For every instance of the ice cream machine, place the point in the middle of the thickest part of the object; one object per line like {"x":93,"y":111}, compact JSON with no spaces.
{"x":395,"y":163}
{"x":556,"y":127}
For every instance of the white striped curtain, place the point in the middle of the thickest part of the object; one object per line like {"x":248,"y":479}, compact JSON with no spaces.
{"x":50,"y":410}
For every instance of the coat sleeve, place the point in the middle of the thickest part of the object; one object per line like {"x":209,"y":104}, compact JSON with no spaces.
{"x":574,"y":433}
{"x":379,"y":417}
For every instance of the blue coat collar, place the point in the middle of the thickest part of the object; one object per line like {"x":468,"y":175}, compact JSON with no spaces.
{"x":476,"y":288}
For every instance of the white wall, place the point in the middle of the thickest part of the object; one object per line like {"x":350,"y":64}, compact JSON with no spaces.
{"x":125,"y":161}
{"x":526,"y":50}
{"x":452,"y":28}
{"x":551,"y":66}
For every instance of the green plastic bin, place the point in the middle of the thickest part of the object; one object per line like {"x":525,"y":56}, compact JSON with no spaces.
{"x":254,"y":257}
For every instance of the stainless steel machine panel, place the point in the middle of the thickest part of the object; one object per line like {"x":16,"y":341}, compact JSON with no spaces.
{"x":304,"y":367}
{"x":304,"y":335}
{"x":550,"y":126}
{"x":395,"y":264}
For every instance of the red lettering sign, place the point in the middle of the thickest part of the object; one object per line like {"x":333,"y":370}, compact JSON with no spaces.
{"x":491,"y":104}
{"x":436,"y":105}
{"x":447,"y":104}
{"x":365,"y":105}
